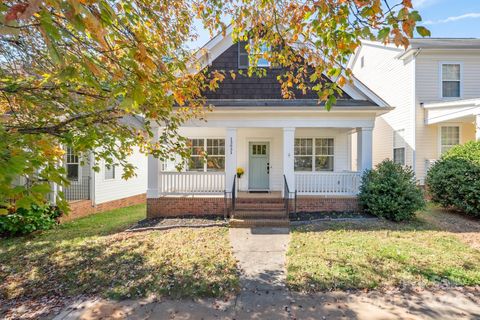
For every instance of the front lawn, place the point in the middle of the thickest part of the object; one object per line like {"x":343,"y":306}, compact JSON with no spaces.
{"x":373,"y":254}
{"x":92,"y":256}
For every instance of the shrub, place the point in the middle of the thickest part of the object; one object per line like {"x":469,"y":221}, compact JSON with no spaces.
{"x":22,"y":221}
{"x":390,"y":191}
{"x":454,"y":180}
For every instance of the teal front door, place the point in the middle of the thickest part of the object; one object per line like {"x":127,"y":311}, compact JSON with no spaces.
{"x":259,"y":166}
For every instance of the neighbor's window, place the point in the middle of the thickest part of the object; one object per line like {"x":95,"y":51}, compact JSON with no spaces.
{"x":314,"y":154}
{"x":450,"y":137}
{"x":399,"y":147}
{"x":243,"y":56}
{"x":72,"y":163}
{"x":451,"y":80}
{"x":207,"y":155}
{"x":109,"y":172}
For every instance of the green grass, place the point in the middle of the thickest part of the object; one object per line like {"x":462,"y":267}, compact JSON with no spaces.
{"x":373,"y":254}
{"x":93,"y":256}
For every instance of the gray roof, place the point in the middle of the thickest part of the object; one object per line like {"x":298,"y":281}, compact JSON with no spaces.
{"x":288,"y":103}
{"x":442,"y":43}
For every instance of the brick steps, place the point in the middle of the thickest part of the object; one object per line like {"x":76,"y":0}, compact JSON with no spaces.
{"x":260,"y":206}
{"x":259,"y":212}
{"x":255,"y":215}
{"x":249,"y":223}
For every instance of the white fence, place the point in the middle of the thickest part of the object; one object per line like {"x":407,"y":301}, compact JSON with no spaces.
{"x":327,"y":183}
{"x":192,"y":182}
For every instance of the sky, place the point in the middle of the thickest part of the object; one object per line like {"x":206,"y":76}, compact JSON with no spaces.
{"x":444,"y":18}
{"x":450,"y":18}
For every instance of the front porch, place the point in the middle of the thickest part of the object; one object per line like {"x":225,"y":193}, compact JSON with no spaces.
{"x":319,"y":166}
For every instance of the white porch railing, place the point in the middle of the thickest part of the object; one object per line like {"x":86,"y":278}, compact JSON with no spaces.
{"x":327,"y":183}
{"x":192,"y":182}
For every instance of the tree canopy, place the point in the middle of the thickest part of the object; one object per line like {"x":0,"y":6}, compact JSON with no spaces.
{"x":71,"y":69}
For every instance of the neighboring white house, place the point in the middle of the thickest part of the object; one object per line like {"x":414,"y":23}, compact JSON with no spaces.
{"x":294,"y":144}
{"x":105,"y":185}
{"x":105,"y":189}
{"x":435,"y":87}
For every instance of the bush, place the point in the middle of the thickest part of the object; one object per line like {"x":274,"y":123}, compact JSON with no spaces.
{"x":454,"y":180}
{"x":23,"y":221}
{"x":390,"y":191}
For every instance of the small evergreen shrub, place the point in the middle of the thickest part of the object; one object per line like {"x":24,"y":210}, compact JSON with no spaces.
{"x":390,"y":191}
{"x":454,"y":180}
{"x":22,"y":221}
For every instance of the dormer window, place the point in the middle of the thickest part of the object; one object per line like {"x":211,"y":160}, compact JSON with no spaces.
{"x":451,"y":80}
{"x":243,"y":56}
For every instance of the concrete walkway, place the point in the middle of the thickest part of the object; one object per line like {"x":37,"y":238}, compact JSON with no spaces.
{"x":261,"y":256}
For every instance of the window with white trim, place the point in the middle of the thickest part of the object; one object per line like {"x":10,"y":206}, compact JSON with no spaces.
{"x":73,"y":164}
{"x":399,"y":147}
{"x":243,"y":55}
{"x":314,"y":154}
{"x":449,"y":137}
{"x":109,"y":172}
{"x":206,"y":154}
{"x":451,"y":80}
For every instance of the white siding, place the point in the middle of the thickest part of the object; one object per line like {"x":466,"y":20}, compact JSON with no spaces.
{"x":429,"y":90}
{"x":118,"y":188}
{"x":392,"y":80}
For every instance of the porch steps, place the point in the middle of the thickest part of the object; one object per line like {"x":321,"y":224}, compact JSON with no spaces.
{"x":259,"y":212}
{"x":250,"y":214}
{"x":250,"y":223}
{"x":260,"y":207}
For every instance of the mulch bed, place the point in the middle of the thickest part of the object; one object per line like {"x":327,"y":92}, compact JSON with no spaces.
{"x":313,"y":216}
{"x":181,"y":222}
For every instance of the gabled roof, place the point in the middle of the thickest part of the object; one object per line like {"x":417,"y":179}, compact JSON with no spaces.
{"x":359,"y":92}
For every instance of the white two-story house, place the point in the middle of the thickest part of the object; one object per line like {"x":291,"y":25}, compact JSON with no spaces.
{"x":434,"y":85}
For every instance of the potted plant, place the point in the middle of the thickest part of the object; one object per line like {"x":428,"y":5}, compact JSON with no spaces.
{"x":240,"y":172}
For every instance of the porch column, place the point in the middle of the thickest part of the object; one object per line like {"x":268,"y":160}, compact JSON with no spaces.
{"x":54,"y":194}
{"x":230,"y":157}
{"x":364,"y":149}
{"x":153,"y":190}
{"x":477,"y":127}
{"x":288,"y":157}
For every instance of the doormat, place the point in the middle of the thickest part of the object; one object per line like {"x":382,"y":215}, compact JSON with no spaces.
{"x":258,"y":191}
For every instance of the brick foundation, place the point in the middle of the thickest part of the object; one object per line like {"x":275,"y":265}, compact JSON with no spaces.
{"x":83,"y":208}
{"x":327,"y":204}
{"x":185,"y":206}
{"x":201,"y":206}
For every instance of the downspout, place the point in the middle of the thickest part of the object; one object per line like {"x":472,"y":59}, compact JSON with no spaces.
{"x":414,"y":91}
{"x":92,"y":180}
